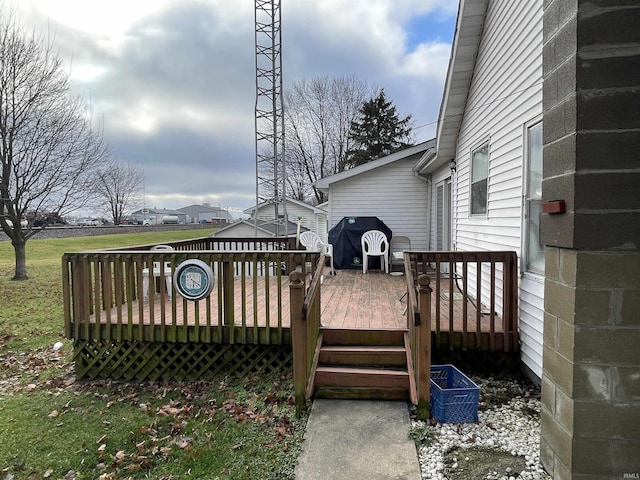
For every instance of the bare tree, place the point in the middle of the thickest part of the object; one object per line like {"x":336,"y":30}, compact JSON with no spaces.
{"x":319,"y":113}
{"x":48,"y":151}
{"x":118,"y":188}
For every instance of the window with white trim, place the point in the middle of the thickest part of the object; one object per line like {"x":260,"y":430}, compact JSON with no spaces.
{"x":533,"y":248}
{"x":479,"y":180}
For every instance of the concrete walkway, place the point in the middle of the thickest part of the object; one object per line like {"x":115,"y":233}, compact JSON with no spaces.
{"x":358,"y":440}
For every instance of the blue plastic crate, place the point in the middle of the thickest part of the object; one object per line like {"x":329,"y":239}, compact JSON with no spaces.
{"x":453,"y":396}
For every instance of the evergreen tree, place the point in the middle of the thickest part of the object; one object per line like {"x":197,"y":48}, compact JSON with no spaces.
{"x":378,"y":131}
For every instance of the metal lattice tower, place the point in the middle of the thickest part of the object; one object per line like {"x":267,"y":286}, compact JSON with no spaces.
{"x":269,"y":126}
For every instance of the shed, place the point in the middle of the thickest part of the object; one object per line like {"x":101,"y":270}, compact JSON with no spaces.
{"x":386,"y":188}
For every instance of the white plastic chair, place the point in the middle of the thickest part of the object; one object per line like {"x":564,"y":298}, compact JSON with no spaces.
{"x":168,"y":274}
{"x":313,"y":243}
{"x":374,"y":244}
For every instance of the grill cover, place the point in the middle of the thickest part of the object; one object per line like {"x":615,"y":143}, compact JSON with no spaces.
{"x":345,"y":238}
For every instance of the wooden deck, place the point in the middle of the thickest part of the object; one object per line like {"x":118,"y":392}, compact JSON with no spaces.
{"x":350,"y":299}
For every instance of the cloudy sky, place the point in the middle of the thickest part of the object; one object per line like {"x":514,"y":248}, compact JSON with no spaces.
{"x":172,"y":82}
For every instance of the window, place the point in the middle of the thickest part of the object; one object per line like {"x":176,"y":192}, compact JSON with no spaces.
{"x":534,"y":250}
{"x":479,"y":175}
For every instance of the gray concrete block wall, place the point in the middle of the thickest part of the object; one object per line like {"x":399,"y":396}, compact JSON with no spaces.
{"x":69,"y":232}
{"x":591,"y":68}
{"x":591,"y":361}
{"x":591,"y":365}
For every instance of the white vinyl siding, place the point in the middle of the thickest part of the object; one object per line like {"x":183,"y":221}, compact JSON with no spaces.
{"x":392,"y":193}
{"x":505,"y":94}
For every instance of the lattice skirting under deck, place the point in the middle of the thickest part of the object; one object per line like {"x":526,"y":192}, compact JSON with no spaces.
{"x":130,"y":360}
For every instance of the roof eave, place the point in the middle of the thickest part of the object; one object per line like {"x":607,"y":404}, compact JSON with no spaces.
{"x":464,"y":51}
{"x":324,"y":184}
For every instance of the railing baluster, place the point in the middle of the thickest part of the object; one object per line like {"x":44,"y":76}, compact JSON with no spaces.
{"x":243,"y":295}
{"x":479,"y":301}
{"x":83,"y":287}
{"x":465,"y":300}
{"x":120,"y":284}
{"x":279,"y":294}
{"x":254,"y":275}
{"x":220,"y":324}
{"x":451,"y":298}
{"x":107,"y":294}
{"x":229,"y":306}
{"x":267,"y":301}
{"x":492,"y":306}
{"x":97,"y":301}
{"x":438,"y":297}
{"x":151,"y":303}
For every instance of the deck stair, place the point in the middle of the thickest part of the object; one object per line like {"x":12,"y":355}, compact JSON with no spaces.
{"x":362,"y":364}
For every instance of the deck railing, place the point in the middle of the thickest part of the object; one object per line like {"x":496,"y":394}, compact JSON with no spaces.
{"x":419,"y":326}
{"x":305,"y":326}
{"x":225,"y":244}
{"x":476,"y":302}
{"x":486,"y":280}
{"x":103,"y":293}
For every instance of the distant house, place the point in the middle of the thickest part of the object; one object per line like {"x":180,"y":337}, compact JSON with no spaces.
{"x":207,"y":213}
{"x":247,"y":229}
{"x":310,"y":217}
{"x":486,"y":175}
{"x":387,"y":188}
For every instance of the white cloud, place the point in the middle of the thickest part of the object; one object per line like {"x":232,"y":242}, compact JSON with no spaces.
{"x":173,"y":81}
{"x":107,"y":20}
{"x":428,"y":60}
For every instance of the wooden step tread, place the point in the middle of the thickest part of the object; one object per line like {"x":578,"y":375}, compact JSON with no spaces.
{"x":363,"y":393}
{"x":360,"y":377}
{"x":362,"y":348}
{"x":381,"y":356}
{"x":361,"y":371}
{"x":363,"y":337}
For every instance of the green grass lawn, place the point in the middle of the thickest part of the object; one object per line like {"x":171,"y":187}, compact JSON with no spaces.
{"x":54,"y":427}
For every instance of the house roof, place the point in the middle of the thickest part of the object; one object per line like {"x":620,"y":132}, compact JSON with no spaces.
{"x":464,"y":51}
{"x":250,"y":210}
{"x":266,"y":227}
{"x":202,"y":208}
{"x":159,"y":211}
{"x":324,"y":183}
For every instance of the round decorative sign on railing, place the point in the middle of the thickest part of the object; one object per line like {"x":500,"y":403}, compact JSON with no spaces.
{"x":193,"y":279}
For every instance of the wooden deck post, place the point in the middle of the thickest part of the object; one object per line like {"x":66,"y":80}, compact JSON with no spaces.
{"x":423,"y":346}
{"x":298,"y":339}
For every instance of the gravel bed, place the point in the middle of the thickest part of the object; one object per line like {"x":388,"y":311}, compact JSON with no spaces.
{"x":503,"y":445}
